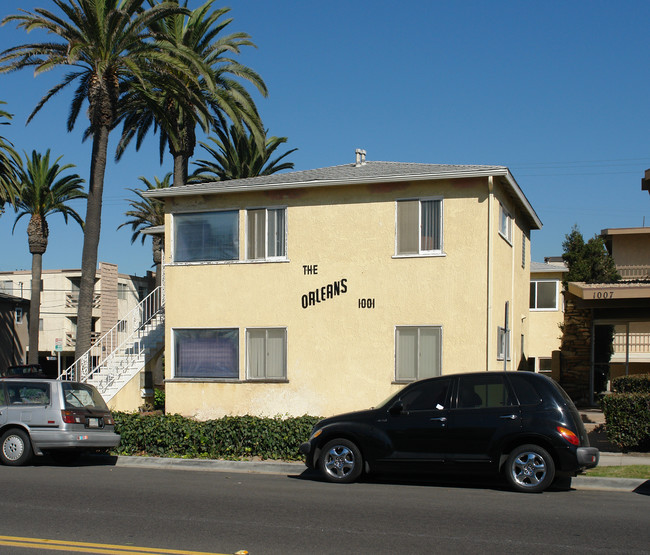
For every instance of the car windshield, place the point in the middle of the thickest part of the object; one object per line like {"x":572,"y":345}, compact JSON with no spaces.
{"x":78,"y":395}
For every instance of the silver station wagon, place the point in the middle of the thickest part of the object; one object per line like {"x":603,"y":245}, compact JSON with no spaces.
{"x":39,"y":416}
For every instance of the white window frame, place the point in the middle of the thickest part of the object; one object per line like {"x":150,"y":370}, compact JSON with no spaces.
{"x":557,"y":290}
{"x":501,"y":332}
{"x":440,"y":228}
{"x":237,"y":246}
{"x":266,"y":377}
{"x":418,"y":374}
{"x":247,"y":239}
{"x":18,"y":315}
{"x":122,"y":291}
{"x":505,"y":223}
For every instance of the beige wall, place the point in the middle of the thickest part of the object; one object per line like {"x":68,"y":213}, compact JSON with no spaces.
{"x":545,"y":324}
{"x":631,"y":249}
{"x":342,"y":357}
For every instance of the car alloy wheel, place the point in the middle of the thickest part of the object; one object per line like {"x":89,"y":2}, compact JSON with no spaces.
{"x":340,"y":461}
{"x":530,"y":468}
{"x":16,"y":448}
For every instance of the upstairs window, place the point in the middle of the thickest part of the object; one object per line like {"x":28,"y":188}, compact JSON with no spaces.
{"x":122,"y":291}
{"x":543,"y":295}
{"x":206,"y":236}
{"x":419,"y":227}
{"x":505,"y":223}
{"x":266,"y":235}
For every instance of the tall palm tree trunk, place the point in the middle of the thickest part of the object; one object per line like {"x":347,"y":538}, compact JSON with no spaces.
{"x":180,"y":170}
{"x":91,"y":241}
{"x":35,"y":307}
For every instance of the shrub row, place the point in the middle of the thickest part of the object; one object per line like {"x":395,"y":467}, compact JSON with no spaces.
{"x":628,"y":420}
{"x":231,"y":437}
{"x":639,"y":383}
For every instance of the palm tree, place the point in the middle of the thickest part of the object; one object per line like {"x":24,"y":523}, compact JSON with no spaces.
{"x":43,"y":191}
{"x":8,"y":161}
{"x":146,"y":213}
{"x":238,"y":155}
{"x":177,"y":105}
{"x":104,"y":42}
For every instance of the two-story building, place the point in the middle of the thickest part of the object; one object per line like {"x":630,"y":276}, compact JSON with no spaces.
{"x":14,"y":332}
{"x":546,"y":313}
{"x":320,"y":291}
{"x":115,"y":295}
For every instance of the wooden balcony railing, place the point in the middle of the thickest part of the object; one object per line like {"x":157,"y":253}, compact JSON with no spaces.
{"x":634,"y":272}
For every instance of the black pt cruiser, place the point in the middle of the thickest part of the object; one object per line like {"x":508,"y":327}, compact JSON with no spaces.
{"x":519,"y":423}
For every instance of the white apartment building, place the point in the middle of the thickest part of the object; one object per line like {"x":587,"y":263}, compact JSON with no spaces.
{"x":115,"y":296}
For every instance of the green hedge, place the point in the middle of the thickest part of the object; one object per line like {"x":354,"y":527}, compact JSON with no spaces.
{"x":231,"y":437}
{"x":639,"y":383}
{"x":627,"y":417}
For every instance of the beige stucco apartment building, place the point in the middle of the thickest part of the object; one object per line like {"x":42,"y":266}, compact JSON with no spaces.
{"x":546,"y":313}
{"x":325,"y":290}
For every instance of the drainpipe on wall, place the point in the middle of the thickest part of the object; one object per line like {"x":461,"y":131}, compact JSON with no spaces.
{"x":488,"y":341}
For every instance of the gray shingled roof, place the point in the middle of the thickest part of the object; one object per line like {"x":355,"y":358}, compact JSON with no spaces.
{"x":348,"y":174}
{"x":541,"y":267}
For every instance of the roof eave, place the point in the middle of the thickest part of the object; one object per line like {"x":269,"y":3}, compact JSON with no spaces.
{"x":213,"y":188}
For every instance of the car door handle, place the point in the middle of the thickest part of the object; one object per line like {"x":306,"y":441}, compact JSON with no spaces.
{"x":509,"y":416}
{"x":441,"y":419}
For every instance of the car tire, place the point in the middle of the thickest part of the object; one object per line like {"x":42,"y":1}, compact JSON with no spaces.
{"x":15,"y":447}
{"x":340,"y":461}
{"x":530,"y":469}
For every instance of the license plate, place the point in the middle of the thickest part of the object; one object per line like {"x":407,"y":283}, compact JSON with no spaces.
{"x":93,"y":422}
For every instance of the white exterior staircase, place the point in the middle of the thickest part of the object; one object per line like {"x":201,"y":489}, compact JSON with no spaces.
{"x":121,"y":353}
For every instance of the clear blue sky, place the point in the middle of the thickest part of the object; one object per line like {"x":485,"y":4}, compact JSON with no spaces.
{"x":557,"y":91}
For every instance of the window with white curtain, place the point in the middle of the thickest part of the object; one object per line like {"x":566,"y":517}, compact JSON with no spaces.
{"x":418,"y":352}
{"x":419,"y":227}
{"x":206,"y":236}
{"x":266,"y":233}
{"x":266,"y":353}
{"x":206,"y":353}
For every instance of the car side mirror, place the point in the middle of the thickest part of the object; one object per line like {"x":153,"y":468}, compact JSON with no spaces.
{"x":396,"y":408}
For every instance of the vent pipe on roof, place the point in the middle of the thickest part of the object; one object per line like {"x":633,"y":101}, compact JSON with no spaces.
{"x":361,"y":157}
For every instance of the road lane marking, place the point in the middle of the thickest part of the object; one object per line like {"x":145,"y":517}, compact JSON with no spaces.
{"x":87,"y":547}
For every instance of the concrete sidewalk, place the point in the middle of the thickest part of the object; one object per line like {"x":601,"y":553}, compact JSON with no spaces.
{"x":295,"y":468}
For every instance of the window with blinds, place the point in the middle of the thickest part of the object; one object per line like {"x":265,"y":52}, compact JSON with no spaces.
{"x":419,"y":227}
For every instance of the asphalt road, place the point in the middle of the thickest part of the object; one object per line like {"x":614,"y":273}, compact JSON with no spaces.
{"x":124,"y":508}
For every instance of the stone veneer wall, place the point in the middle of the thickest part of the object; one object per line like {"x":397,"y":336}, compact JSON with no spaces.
{"x":575,"y":350}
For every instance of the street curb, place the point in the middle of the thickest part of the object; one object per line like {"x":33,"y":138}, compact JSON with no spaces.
{"x":611,"y":484}
{"x":295,"y":468}
{"x":212,"y":465}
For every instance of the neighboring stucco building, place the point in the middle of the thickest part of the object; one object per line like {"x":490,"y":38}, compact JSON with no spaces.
{"x":546,"y":313}
{"x":624,"y":305}
{"x":115,"y":295}
{"x":14,"y":331}
{"x":320,"y":291}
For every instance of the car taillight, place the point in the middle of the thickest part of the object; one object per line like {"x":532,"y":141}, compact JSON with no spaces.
{"x":70,"y":417}
{"x":108,"y":420}
{"x":567,"y":434}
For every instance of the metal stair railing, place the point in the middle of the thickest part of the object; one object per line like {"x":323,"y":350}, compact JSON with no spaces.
{"x":125,"y":337}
